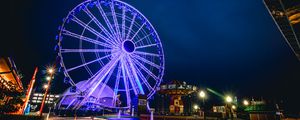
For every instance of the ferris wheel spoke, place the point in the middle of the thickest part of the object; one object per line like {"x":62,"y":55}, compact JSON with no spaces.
{"x":86,"y":26}
{"x":83,"y":50}
{"x":115,"y":20}
{"x":103,"y":84}
{"x":116,"y":89}
{"x":130,"y":27}
{"x":80,"y":37}
{"x":143,"y":38}
{"x":99,"y":78}
{"x":137,"y":31}
{"x":126,"y":85}
{"x":137,"y":80}
{"x":150,"y":45}
{"x":123,"y":22}
{"x":103,"y":14}
{"x":146,"y":70}
{"x":86,"y":67}
{"x":143,"y":78}
{"x":147,"y":54}
{"x":76,"y":67}
{"x":145,"y":61}
{"x":129,"y":76}
{"x":90,"y":14}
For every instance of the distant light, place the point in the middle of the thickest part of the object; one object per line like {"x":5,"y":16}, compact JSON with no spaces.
{"x":228,"y":99}
{"x":48,"y":78}
{"x":233,"y":107}
{"x":50,"y":70}
{"x":246,"y":102}
{"x":202,"y":94}
{"x":196,"y":107}
{"x":45,"y":86}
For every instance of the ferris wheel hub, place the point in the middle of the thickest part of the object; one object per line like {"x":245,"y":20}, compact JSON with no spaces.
{"x":128,"y":46}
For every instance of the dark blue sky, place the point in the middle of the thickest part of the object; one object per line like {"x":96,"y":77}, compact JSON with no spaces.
{"x":226,"y":45}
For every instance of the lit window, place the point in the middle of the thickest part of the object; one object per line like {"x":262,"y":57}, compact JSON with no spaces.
{"x":34,"y":98}
{"x":56,"y":96}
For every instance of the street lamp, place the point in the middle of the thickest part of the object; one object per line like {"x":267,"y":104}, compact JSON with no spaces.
{"x":233,"y":107}
{"x":45,"y":86}
{"x":202,"y":94}
{"x":196,"y":107}
{"x":228,"y":99}
{"x":246,"y":102}
{"x":50,"y":71}
{"x":48,"y":78}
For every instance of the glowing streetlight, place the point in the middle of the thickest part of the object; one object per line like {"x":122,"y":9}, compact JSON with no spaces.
{"x":233,"y":107}
{"x":246,"y":102}
{"x":48,"y":78}
{"x":45,"y":86}
{"x":196,"y":107}
{"x":50,"y":70}
{"x":202,"y":94}
{"x":228,"y":99}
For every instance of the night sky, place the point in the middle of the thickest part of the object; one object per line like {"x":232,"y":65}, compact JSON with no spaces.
{"x":231,"y":46}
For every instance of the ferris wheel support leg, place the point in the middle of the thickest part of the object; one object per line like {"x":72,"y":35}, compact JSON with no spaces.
{"x":116,"y":89}
{"x":131,"y":79}
{"x":128,"y":99}
{"x":137,"y":80}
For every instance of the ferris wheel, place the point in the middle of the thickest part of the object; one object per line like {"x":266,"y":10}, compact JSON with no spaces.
{"x":108,"y":44}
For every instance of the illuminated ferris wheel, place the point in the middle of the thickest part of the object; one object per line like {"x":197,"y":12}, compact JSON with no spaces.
{"x":110,"y":53}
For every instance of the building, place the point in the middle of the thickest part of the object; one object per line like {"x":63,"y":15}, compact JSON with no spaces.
{"x":286,"y":14}
{"x":36,"y":99}
{"x":263,"y":111}
{"x":11,"y":88}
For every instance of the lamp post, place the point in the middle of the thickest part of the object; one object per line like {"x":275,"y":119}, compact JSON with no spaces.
{"x":196,"y":107}
{"x":246,"y":102}
{"x":50,"y":72}
{"x":228,"y":100}
{"x":233,"y":107}
{"x":202,"y":95}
